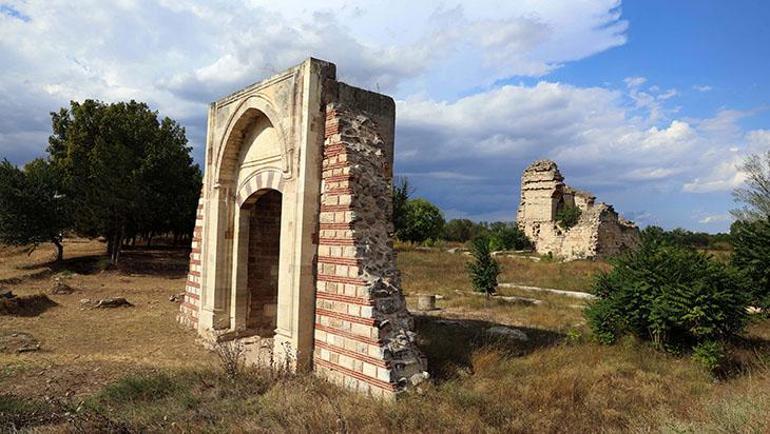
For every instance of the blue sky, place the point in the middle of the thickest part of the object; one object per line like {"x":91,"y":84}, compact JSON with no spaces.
{"x":651,"y":105}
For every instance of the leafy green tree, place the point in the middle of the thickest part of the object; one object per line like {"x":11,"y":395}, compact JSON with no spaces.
{"x":32,"y":208}
{"x":484,"y":269}
{"x":568,"y":216}
{"x":171,"y":184}
{"x":423,"y":221}
{"x":755,"y":194}
{"x":676,"y":297}
{"x":751,"y":242}
{"x":125,"y":171}
{"x":401,"y":193}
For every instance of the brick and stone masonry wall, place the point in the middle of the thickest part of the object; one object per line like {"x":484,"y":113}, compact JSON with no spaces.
{"x":188,"y":312}
{"x":363,"y":332}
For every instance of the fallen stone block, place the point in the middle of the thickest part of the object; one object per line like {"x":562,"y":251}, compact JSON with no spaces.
{"x":112,"y":302}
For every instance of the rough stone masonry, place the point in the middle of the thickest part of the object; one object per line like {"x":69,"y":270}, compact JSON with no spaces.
{"x":600,"y":231}
{"x":292,"y":252}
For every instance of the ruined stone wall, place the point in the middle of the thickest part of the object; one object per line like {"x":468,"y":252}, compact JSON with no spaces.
{"x":538,"y":203}
{"x":600,"y":231}
{"x":190,"y":308}
{"x":363,"y":332}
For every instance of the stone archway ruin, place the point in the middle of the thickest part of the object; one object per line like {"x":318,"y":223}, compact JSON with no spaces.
{"x":293,"y":238}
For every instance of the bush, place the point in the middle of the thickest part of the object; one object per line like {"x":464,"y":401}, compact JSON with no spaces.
{"x":483,"y":269}
{"x":675,"y":297}
{"x":751,"y":241}
{"x":507,"y":236}
{"x":422,"y":221}
{"x":568,"y":216}
{"x":710,"y":354}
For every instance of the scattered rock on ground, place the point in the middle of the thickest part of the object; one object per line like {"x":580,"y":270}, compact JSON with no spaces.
{"x":105,"y":303}
{"x":177,"y":297}
{"x":18,"y":342}
{"x":61,"y":288}
{"x":112,"y":302}
{"x":6,"y":293}
{"x":507,"y":332}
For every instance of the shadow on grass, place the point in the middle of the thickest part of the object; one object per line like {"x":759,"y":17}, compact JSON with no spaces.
{"x":30,"y":305}
{"x":449,"y":344}
{"x":160,"y":261}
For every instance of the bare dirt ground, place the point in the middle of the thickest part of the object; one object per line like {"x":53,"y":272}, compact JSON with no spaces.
{"x":83,"y":349}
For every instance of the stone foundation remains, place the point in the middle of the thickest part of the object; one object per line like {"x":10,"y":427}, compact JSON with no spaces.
{"x":292,"y":249}
{"x":600,"y":232}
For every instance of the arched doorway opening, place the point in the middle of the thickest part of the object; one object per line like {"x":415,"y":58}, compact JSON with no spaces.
{"x":261,"y":213}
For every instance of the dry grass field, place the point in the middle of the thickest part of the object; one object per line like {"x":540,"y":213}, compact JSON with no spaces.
{"x":133,"y":369}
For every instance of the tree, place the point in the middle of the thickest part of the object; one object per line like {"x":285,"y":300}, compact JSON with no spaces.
{"x":460,"y":230}
{"x":32,"y":208}
{"x":751,"y":255}
{"x":401,"y":193}
{"x":171,"y":184}
{"x":755,"y":195}
{"x":422,"y":221}
{"x":125,"y":171}
{"x":484,"y":269}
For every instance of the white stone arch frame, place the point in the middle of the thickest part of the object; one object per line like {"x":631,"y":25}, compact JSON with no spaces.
{"x":292,"y":104}
{"x":226,"y":210}
{"x":246,"y":111}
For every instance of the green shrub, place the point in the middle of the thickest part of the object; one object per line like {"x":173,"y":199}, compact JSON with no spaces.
{"x":675,"y":297}
{"x":507,"y":236}
{"x":483,"y":270}
{"x":710,"y":354}
{"x":568,"y":216}
{"x":752,"y":257}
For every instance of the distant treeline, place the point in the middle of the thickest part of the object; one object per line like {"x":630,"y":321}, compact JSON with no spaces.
{"x":685,"y":238}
